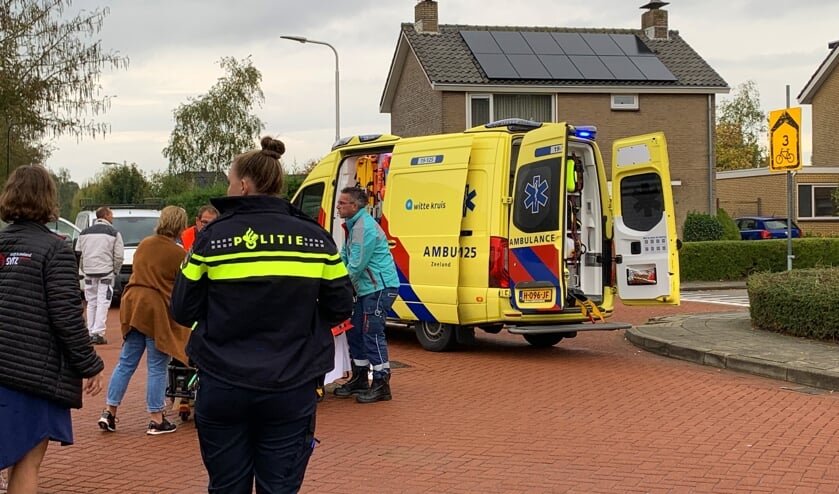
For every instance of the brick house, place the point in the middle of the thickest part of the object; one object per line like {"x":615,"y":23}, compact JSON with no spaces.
{"x":758,"y":191}
{"x":447,"y":78}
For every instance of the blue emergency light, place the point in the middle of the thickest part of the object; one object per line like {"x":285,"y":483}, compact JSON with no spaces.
{"x":585,"y":132}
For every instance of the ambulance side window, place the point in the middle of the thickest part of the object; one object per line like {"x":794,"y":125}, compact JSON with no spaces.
{"x":309,"y":199}
{"x":537,"y":196}
{"x":642,"y":201}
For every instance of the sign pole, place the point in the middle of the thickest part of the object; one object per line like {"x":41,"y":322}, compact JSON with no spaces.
{"x":790,"y":257}
{"x":785,"y":156}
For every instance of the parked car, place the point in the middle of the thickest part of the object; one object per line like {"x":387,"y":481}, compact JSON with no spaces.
{"x":765,"y":227}
{"x":65,"y":229}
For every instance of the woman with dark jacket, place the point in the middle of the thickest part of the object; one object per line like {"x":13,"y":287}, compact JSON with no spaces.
{"x":45,"y":350}
{"x":264,"y":284}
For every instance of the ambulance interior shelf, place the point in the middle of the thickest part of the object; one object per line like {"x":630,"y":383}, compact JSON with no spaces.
{"x":369,"y":172}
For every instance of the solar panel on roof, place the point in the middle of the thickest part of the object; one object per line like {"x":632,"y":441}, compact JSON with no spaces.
{"x":480,"y":42}
{"x":653,"y":69}
{"x":496,"y":66}
{"x":591,"y":67}
{"x":622,"y":68}
{"x":529,"y":66}
{"x":601,"y":43}
{"x":511,"y":42}
{"x":560,"y":67}
{"x":564,"y":56}
{"x":572,"y":44}
{"x":631,"y":45}
{"x":542,"y":43}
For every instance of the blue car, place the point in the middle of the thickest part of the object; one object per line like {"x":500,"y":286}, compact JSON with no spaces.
{"x":765,"y":227}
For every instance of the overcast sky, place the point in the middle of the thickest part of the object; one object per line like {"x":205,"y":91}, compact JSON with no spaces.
{"x":174,"y":47}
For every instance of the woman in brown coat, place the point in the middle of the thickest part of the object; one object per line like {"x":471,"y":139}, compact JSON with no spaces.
{"x":146,"y":324}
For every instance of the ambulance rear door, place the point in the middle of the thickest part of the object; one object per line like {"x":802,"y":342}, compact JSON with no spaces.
{"x":646,"y":256}
{"x":537,"y":228}
{"x":422,"y":214}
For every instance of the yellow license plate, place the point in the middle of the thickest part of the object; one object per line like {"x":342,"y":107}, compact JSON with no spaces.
{"x":536,"y":295}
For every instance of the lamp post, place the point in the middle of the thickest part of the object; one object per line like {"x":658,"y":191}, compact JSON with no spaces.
{"x":123,"y":185}
{"x":302,"y":39}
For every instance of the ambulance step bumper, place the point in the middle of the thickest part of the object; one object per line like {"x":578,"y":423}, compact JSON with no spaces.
{"x":567,"y":328}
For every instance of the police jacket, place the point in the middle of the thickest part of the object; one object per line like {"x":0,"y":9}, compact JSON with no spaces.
{"x":45,"y":348}
{"x":101,"y":249}
{"x":264,"y":285}
{"x":367,"y":255}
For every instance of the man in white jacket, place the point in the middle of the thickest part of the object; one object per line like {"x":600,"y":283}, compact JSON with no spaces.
{"x":101,"y":249}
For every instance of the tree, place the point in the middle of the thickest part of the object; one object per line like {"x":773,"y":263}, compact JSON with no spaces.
{"x":123,"y":184}
{"x":66,"y":190}
{"x":741,"y":126}
{"x":212,"y":128}
{"x":49,"y":73}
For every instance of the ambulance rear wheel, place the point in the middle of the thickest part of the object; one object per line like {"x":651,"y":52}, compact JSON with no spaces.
{"x":543,"y":340}
{"x":437,"y":337}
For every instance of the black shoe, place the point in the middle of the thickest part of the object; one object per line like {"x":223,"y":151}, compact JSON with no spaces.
{"x":108,"y":422}
{"x":358,"y":383}
{"x":164,"y":427}
{"x":379,"y":391}
{"x":98,"y":339}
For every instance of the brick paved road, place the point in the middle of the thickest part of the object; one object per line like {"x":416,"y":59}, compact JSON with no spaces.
{"x":592,"y":415}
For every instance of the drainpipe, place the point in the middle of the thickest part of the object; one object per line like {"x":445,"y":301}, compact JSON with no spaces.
{"x":711,"y":156}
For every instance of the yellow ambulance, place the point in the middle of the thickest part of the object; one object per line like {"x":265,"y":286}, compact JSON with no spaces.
{"x":510,"y":226}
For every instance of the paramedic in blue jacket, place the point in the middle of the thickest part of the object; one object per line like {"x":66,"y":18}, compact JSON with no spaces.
{"x":373,"y":274}
{"x":264,"y":285}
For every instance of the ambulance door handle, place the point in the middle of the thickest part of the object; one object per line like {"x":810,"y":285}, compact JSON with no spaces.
{"x":465,"y":233}
{"x":391,"y":244}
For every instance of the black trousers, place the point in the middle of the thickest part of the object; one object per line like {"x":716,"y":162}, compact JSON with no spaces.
{"x":247,"y":435}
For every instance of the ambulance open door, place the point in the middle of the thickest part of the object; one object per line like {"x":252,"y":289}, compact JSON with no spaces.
{"x":646,"y":255}
{"x":422,"y":214}
{"x":537,"y":222}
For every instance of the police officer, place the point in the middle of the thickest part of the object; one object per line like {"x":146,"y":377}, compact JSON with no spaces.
{"x":264,"y":285}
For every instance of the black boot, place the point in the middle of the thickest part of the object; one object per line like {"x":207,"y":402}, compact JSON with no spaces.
{"x":379,"y":391}
{"x":358,"y":383}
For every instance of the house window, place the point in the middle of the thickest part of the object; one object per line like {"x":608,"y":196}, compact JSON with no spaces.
{"x":624,"y":101}
{"x":480,"y":110}
{"x":485,"y":108}
{"x":816,"y":201}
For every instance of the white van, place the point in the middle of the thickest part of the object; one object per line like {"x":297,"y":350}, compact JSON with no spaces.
{"x":134,"y":224}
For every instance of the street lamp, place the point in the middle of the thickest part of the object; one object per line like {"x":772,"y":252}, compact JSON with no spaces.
{"x":302,"y":39}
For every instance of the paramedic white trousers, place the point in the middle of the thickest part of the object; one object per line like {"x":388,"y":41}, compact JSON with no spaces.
{"x":98,"y":291}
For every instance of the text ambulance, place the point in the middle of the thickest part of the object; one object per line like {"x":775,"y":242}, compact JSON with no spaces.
{"x":511,"y":226}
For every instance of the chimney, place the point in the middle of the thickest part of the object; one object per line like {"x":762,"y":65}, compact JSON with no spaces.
{"x":654,"y":20}
{"x":425,"y":16}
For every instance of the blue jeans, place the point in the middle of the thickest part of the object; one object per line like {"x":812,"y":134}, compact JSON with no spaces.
{"x":368,"y":345}
{"x":246,"y":435}
{"x":132,"y":349}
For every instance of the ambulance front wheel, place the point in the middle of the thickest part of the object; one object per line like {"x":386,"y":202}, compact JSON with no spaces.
{"x":436,"y":336}
{"x":543,"y":340}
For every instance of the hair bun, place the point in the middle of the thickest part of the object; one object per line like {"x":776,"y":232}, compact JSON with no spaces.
{"x":272,"y":147}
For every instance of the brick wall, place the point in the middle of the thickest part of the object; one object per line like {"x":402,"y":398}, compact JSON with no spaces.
{"x":826,"y":123}
{"x":753,"y":196}
{"x":417,"y":109}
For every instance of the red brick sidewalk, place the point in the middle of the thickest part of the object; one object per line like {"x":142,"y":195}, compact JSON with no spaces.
{"x":593,"y":414}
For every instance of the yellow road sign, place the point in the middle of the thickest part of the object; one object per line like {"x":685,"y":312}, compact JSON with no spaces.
{"x":785,"y":140}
